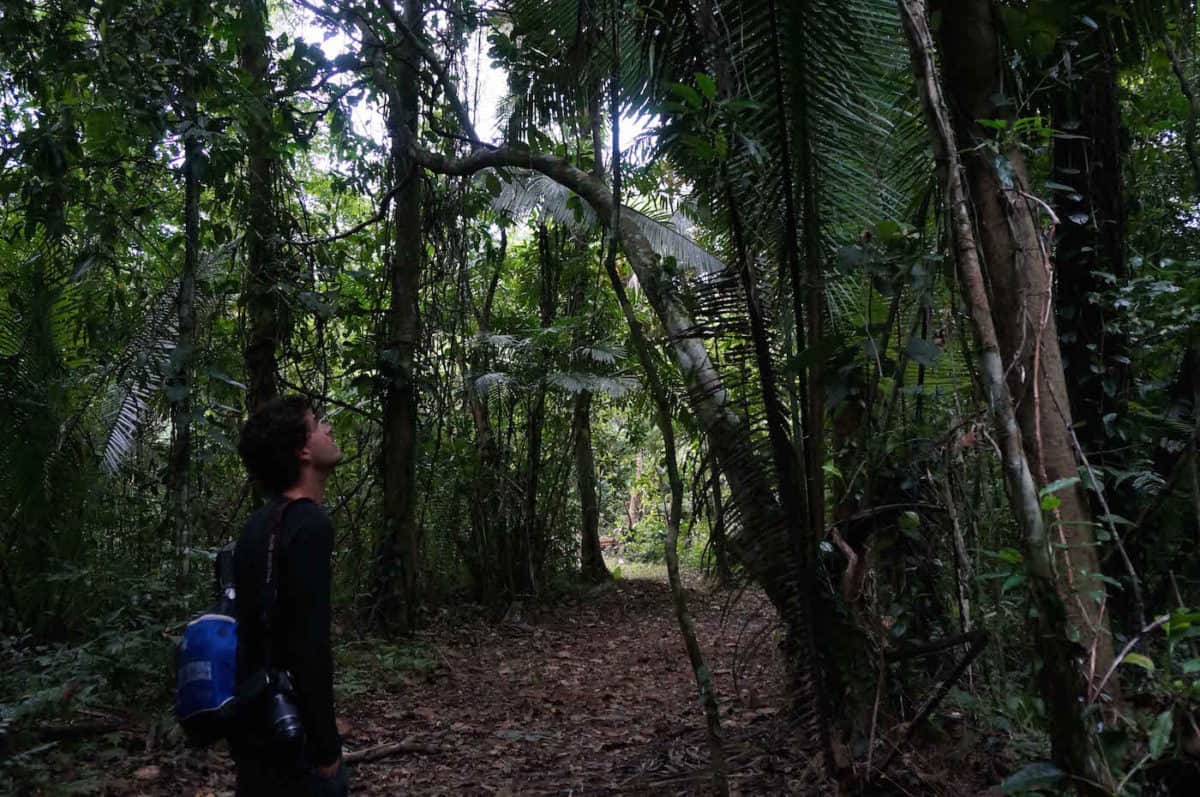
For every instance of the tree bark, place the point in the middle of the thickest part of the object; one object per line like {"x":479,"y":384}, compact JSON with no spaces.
{"x":1090,"y":240}
{"x":1019,"y":275}
{"x":179,"y":383}
{"x":1062,"y":685}
{"x":265,"y":312}
{"x":395,"y":582}
{"x":591,"y":558}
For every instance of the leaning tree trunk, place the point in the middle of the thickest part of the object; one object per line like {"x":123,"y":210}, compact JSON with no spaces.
{"x":1020,"y":278}
{"x":395,"y":580}
{"x":1062,"y":684}
{"x":179,"y":383}
{"x":753,"y":496}
{"x":264,"y":310}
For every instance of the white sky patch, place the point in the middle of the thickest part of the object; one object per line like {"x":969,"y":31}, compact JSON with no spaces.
{"x":482,"y":90}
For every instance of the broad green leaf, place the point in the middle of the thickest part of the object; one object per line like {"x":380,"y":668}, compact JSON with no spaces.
{"x":1010,"y":555}
{"x":1058,"y":484}
{"x":707,"y":85}
{"x":688,"y":94}
{"x":1138,"y":660}
{"x":1015,"y":580}
{"x":1032,"y":776}
{"x":1160,"y":734}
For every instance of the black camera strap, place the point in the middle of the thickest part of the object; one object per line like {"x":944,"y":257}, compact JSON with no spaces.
{"x":275,"y":527}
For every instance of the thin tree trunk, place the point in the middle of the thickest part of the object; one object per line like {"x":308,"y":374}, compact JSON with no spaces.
{"x":1063,"y":687}
{"x":717,"y":529}
{"x":658,"y":394}
{"x":487,"y":520}
{"x":700,"y":671}
{"x":264,"y":309}
{"x":591,"y":559}
{"x":528,"y":573}
{"x":633,"y":510}
{"x":1020,"y":279}
{"x":533,"y":524}
{"x":395,"y":582}
{"x":179,"y":384}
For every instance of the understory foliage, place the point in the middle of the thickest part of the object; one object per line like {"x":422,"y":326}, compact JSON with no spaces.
{"x":795,"y":221}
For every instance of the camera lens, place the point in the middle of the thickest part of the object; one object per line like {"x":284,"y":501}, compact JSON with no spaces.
{"x":286,"y":726}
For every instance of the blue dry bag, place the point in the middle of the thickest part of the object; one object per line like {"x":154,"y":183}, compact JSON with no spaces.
{"x":206,"y":665}
{"x":206,"y":672}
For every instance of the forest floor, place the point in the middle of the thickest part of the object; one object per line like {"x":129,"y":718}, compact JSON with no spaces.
{"x":594,"y":696}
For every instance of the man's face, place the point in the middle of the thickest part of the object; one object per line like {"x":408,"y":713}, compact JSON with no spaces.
{"x":320,"y":449}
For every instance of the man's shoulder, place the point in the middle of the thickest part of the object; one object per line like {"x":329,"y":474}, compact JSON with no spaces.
{"x":305,"y":517}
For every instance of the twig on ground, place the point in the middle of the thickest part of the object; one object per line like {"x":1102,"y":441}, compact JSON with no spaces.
{"x":385,"y":750}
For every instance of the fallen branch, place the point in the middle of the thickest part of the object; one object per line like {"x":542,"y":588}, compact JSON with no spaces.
{"x":54,"y":733}
{"x":385,"y":750}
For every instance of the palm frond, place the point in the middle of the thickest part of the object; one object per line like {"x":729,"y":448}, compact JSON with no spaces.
{"x":526,"y":193}
{"x":139,"y":374}
{"x":576,"y":382}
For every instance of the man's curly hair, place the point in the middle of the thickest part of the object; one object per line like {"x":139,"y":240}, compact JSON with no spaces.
{"x":271,"y":439}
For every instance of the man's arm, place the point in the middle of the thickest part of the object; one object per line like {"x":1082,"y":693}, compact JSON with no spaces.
{"x":310,"y":556}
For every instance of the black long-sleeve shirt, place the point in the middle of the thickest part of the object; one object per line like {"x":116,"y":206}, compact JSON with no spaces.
{"x":300,"y":641}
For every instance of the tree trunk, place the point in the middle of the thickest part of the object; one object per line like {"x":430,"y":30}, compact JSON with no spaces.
{"x":532,"y":546}
{"x":633,"y":509}
{"x":658,"y":394}
{"x":395,"y":582}
{"x":1019,"y":274}
{"x":591,"y":560}
{"x":717,"y":529}
{"x":1062,"y":684}
{"x":528,"y":574}
{"x":488,"y":525}
{"x":265,"y":311}
{"x":1090,"y":242}
{"x":179,"y":383}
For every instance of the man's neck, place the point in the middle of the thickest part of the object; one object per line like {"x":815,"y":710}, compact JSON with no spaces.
{"x":311,"y":486}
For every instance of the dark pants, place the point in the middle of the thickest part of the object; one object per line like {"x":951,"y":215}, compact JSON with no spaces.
{"x":258,"y":778}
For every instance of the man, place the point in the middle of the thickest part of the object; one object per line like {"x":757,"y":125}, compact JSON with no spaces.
{"x":291,"y":453}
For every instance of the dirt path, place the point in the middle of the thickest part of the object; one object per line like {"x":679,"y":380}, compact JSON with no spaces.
{"x":595,"y":697}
